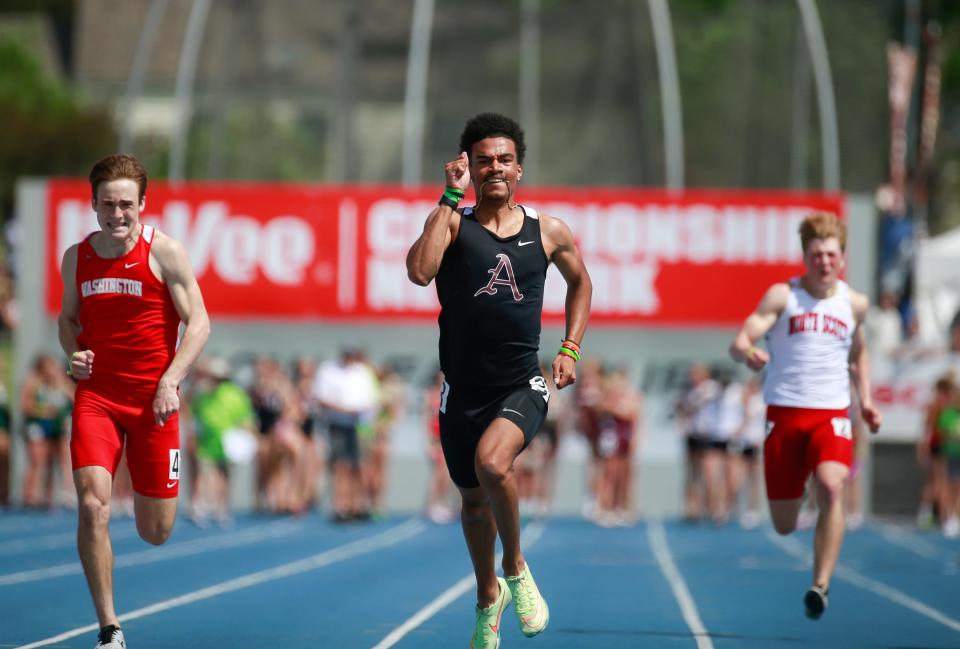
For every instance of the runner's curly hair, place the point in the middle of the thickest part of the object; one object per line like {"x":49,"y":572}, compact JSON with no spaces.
{"x":487,"y":125}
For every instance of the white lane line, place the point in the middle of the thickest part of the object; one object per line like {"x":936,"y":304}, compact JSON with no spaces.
{"x":156,"y":554}
{"x":530,"y":535}
{"x":54,"y":541}
{"x":794,"y":548}
{"x":910,"y":542}
{"x":661,"y":551}
{"x":382,"y":540}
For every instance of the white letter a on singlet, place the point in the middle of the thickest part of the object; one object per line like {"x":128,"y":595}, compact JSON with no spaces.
{"x":503,"y":264}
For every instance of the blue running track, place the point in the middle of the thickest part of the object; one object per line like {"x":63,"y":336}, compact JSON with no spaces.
{"x":304,"y":583}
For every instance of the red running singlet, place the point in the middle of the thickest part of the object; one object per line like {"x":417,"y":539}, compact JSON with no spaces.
{"x":128,"y":320}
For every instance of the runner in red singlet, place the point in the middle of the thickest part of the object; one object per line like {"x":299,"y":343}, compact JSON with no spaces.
{"x":815,"y":346}
{"x":126,"y":288}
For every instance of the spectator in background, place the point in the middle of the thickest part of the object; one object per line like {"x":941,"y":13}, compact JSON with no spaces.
{"x":930,"y":453}
{"x":953,"y":337}
{"x":46,"y":399}
{"x":745,"y":454}
{"x":883,"y":326}
{"x":219,"y":407}
{"x":9,"y":313}
{"x":4,"y":436}
{"x":693,"y":419}
{"x":439,"y":486}
{"x":723,"y":418}
{"x":588,"y":393}
{"x":287,"y":489}
{"x":305,"y":373}
{"x":268,"y":396}
{"x":948,"y":424}
{"x":346,"y":389}
{"x":390,"y":401}
{"x":621,"y":408}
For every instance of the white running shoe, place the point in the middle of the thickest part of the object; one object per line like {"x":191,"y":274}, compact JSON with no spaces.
{"x":111,"y":637}
{"x":951,"y":528}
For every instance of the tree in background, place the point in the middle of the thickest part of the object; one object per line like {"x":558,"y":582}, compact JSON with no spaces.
{"x":48,"y":131}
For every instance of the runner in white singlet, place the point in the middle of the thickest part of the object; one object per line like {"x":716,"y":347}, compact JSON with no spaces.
{"x":815,"y":346}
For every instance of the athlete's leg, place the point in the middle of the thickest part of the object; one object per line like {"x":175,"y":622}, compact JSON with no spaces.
{"x":829,"y":478}
{"x":500,"y":445}
{"x":783,"y":514}
{"x":480,"y":531}
{"x":155,"y":517}
{"x":94,"y":484}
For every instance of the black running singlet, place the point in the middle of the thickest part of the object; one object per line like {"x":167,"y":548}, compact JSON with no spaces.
{"x":491,"y":299}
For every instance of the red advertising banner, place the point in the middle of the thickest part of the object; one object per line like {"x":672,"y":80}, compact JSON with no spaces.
{"x":695,"y":259}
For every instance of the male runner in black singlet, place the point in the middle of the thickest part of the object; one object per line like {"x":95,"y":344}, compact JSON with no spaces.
{"x":490,"y":262}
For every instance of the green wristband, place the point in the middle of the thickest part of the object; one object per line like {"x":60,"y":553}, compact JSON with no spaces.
{"x":569,"y":352}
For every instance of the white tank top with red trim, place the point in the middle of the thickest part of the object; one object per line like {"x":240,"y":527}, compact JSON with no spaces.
{"x":809,"y":348}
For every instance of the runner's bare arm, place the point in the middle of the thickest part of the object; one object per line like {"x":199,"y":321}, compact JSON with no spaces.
{"x":561,"y":249}
{"x":68,"y":324}
{"x":860,"y":364}
{"x":757,"y":324}
{"x":178,"y":276}
{"x":426,"y":253}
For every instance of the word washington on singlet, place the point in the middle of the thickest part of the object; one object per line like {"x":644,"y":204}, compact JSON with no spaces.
{"x":111,"y":285}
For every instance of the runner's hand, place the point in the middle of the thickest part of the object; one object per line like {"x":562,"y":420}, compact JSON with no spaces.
{"x":756,"y":358}
{"x":81,"y":364}
{"x":564,"y":371}
{"x":458,"y":172}
{"x":165,"y":403}
{"x":871,"y":416}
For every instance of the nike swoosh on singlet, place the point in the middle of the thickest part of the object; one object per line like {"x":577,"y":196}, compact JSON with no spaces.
{"x":171,"y":484}
{"x":524,"y":243}
{"x":131,"y":265}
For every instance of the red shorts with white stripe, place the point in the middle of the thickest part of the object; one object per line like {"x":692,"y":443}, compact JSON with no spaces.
{"x":100,"y":425}
{"x":798,"y":440}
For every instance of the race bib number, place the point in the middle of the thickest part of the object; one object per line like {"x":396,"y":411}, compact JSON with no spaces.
{"x":174,"y":464}
{"x":444,"y":395}
{"x":841,"y":427}
{"x":539,"y":384}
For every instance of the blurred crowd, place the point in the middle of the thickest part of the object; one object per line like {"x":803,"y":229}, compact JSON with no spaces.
{"x":317,"y":435}
{"x":723,"y":421}
{"x":309,"y":429}
{"x":938,"y":452}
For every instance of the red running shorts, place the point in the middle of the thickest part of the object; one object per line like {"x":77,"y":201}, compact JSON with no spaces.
{"x":100,"y":426}
{"x":798,"y":440}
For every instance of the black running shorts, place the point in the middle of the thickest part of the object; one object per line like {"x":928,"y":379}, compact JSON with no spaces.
{"x":465,"y":414}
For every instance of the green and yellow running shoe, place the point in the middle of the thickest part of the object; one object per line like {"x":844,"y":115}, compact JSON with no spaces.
{"x":529,"y":604}
{"x":486,"y":635}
